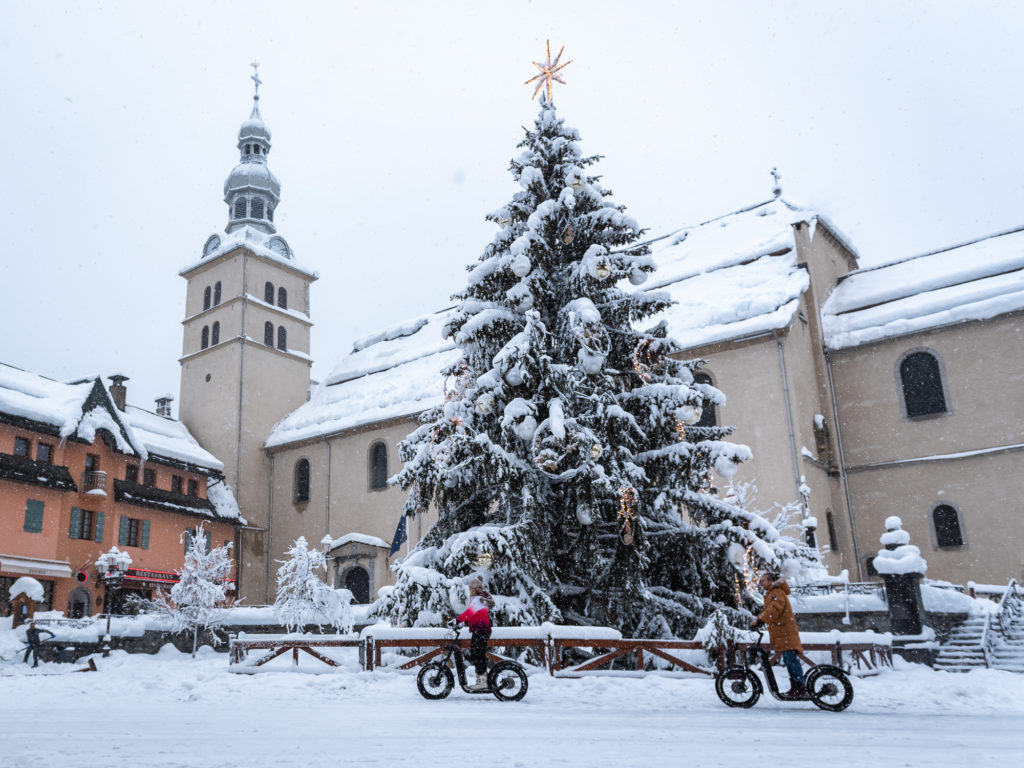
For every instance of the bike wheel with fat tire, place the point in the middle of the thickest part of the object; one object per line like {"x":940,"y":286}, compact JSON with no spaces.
{"x":830,"y":688}
{"x":508,"y":681}
{"x":435,"y":681}
{"x":738,"y":687}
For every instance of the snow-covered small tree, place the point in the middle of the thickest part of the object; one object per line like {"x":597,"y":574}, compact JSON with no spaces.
{"x":196,"y":600}
{"x":567,"y":453}
{"x":303,"y":597}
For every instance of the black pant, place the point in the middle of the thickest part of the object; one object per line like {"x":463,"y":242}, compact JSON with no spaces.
{"x":34,"y":650}
{"x":478,"y":650}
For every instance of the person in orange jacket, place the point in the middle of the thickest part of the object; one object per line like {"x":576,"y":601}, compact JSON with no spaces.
{"x":782,"y":630}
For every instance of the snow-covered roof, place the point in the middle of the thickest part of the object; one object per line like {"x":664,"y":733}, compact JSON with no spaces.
{"x":268,"y":245}
{"x":972,"y":281}
{"x":80,"y":408}
{"x":168,"y":438}
{"x":359,"y":538}
{"x":733,"y":276}
{"x":392,"y":374}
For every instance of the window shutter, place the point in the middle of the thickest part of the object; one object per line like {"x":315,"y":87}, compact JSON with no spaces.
{"x":188,"y":539}
{"x":122,"y":533}
{"x":207,"y":542}
{"x":145,"y":534}
{"x":33,"y":516}
{"x":99,"y":528}
{"x":75,"y":532}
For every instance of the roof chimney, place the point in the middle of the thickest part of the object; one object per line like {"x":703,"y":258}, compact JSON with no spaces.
{"x":163,"y":406}
{"x":118,"y":390}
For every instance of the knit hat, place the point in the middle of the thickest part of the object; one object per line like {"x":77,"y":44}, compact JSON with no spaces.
{"x":476,"y":583}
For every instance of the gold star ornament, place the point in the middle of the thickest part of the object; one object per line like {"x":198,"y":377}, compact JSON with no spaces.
{"x":548,"y":73}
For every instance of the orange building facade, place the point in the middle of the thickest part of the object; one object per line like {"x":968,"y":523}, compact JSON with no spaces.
{"x":81,"y":472}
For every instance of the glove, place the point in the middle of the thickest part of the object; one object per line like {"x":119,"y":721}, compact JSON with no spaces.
{"x":757,"y":624}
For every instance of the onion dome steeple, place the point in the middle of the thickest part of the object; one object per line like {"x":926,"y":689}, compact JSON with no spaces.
{"x":251,"y":190}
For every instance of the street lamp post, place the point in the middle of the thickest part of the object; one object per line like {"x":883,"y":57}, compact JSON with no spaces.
{"x":325,"y":544}
{"x":112,"y":567}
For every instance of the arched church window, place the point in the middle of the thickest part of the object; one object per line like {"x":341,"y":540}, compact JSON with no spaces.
{"x":216,"y":293}
{"x":206,"y":297}
{"x":708,"y":418}
{"x":282,"y":298}
{"x":248,"y":149}
{"x":216,"y":334}
{"x":948,"y":531}
{"x":268,"y":334}
{"x":378,"y":466}
{"x":256,"y":208}
{"x":922,"y":384}
{"x":300,"y":491}
{"x":240,"y":208}
{"x":282,"y":338}
{"x":270,"y":212}
{"x":268,"y":293}
{"x":204,"y":340}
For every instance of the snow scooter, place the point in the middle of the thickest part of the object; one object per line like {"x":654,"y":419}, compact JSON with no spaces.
{"x":506,"y":679}
{"x":828,"y":686}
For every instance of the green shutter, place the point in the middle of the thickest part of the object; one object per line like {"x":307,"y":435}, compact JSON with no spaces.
{"x":99,"y":528}
{"x":145,"y":534}
{"x":188,"y":539}
{"x":207,"y":542}
{"x":122,"y":533}
{"x":33,"y":516}
{"x":75,"y":531}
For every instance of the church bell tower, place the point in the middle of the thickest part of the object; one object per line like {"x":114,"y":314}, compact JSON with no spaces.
{"x":245,"y":354}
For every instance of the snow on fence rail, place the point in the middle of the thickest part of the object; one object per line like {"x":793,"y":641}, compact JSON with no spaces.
{"x":550,"y":642}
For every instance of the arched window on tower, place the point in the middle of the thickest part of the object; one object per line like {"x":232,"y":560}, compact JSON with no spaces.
{"x":256,"y":208}
{"x":240,"y":208}
{"x":922,"y":385}
{"x":268,"y":333}
{"x":216,"y":293}
{"x":282,"y":298}
{"x":300,"y":489}
{"x":216,"y":334}
{"x":948,"y":531}
{"x":268,"y":293}
{"x":206,"y":297}
{"x":270,"y":212}
{"x":282,"y":338}
{"x":248,"y":149}
{"x":204,"y":340}
{"x":708,"y":417}
{"x":378,"y":466}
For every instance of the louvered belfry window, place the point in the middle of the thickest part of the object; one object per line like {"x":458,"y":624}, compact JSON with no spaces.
{"x":240,"y":208}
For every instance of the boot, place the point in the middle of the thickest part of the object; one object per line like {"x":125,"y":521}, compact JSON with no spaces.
{"x":480,"y":684}
{"x":797,"y":692}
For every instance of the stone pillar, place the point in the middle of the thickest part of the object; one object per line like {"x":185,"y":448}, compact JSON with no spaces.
{"x":901,"y":566}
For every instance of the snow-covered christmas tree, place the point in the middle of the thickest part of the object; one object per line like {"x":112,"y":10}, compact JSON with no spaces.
{"x":303,"y":597}
{"x":564,"y":462}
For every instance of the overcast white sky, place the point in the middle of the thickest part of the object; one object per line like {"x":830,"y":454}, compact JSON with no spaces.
{"x":393,"y":125}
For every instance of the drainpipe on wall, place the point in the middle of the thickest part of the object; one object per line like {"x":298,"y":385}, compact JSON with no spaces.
{"x":268,"y":545}
{"x":842,"y":465}
{"x":789,"y":415}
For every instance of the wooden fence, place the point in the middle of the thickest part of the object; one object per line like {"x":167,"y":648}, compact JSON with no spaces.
{"x":601,"y":645}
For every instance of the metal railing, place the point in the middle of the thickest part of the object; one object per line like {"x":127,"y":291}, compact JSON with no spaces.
{"x":94,"y":480}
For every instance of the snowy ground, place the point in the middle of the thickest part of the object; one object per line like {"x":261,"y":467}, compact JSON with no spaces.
{"x":172,"y":711}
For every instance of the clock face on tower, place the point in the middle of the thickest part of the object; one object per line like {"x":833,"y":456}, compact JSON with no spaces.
{"x":280,"y":247}
{"x":211,"y":245}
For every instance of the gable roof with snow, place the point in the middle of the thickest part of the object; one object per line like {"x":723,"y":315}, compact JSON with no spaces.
{"x":734,"y":276}
{"x":78,"y":409}
{"x":392,"y":374}
{"x":977,"y":280}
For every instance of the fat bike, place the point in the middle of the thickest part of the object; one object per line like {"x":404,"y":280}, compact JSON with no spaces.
{"x":506,"y":679}
{"x":828,"y":686}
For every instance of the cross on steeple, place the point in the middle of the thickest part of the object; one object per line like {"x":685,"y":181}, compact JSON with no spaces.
{"x":256,"y":79}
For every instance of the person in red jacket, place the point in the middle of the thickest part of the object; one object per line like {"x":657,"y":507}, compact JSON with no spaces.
{"x":478,"y":619}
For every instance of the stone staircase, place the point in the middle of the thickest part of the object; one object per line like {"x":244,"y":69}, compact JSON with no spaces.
{"x":1006,"y":634}
{"x":963,"y":650}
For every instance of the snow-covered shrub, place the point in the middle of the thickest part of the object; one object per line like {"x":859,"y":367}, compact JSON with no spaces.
{"x":303,"y":597}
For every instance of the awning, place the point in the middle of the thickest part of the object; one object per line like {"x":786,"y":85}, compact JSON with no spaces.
{"x":32,"y":566}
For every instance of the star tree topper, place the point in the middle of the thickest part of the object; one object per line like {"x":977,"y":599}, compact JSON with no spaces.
{"x":548,"y":73}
